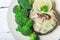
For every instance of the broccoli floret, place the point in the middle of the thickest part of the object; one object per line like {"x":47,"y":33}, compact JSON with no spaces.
{"x":26,"y":29}
{"x":21,"y":17}
{"x":33,"y":36}
{"x":29,"y":23}
{"x":23,"y":21}
{"x":16,"y":9}
{"x":24,"y":4}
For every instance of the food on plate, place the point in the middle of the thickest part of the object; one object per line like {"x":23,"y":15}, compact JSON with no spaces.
{"x":44,"y":22}
{"x":24,"y":4}
{"x":16,"y":9}
{"x":33,"y":36}
{"x":24,"y":22}
{"x":34,"y":16}
{"x":42,"y":6}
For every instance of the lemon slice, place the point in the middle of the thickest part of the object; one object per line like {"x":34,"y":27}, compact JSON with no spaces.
{"x":39,"y":3}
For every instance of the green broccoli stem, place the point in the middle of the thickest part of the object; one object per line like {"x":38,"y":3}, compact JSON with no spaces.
{"x":33,"y":36}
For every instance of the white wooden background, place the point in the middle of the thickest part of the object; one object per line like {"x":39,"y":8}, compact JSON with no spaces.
{"x":5,"y":33}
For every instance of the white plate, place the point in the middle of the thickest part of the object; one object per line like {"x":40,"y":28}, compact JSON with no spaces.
{"x":55,"y":35}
